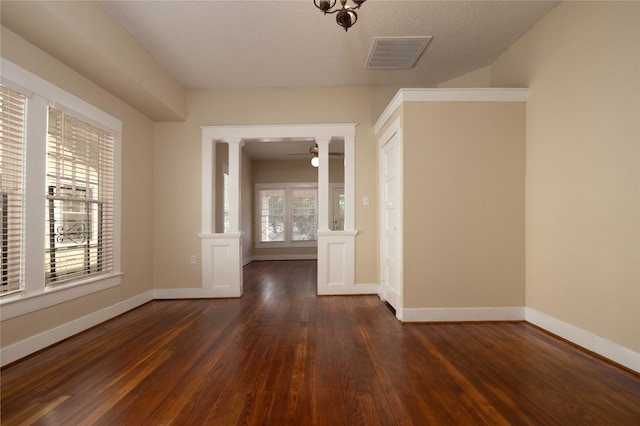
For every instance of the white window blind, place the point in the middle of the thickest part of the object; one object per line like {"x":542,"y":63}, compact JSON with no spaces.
{"x":12,"y":120}
{"x":79,"y":238}
{"x":272,"y":209}
{"x":286,"y":214}
{"x":304,"y":214}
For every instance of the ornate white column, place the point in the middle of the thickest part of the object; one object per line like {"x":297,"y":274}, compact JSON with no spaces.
{"x":208,"y":173}
{"x":336,"y":249}
{"x":349,"y":183}
{"x":221,"y":252}
{"x":235,"y":161}
{"x":323,"y":184}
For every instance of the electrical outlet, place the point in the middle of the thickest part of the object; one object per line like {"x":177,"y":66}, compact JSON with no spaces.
{"x":194,"y":259}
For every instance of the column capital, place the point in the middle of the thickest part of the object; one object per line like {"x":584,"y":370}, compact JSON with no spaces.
{"x":234,"y":141}
{"x":323,"y":141}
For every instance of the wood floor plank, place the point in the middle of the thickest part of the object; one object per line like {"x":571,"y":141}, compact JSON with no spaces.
{"x":283,"y":355}
{"x":36,"y":412}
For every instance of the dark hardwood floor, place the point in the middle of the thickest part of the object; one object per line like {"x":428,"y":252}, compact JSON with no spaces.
{"x":282,"y":355}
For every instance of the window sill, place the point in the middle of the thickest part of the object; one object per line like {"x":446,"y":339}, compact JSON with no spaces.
{"x":21,"y":303}
{"x":288,"y":244}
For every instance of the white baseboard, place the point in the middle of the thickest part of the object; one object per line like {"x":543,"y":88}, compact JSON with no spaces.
{"x":603,"y":347}
{"x":345,"y":290}
{"x":463,"y":314}
{"x":33,"y":344}
{"x":195,"y":293}
{"x":205,"y":293}
{"x":284,"y":257}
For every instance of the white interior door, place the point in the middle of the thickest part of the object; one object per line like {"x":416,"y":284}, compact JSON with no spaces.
{"x":391,"y":223}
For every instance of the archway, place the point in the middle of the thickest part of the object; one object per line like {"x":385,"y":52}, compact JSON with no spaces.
{"x":222,"y":252}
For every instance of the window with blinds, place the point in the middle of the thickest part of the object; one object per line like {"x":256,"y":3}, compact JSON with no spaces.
{"x":304,"y":214}
{"x":79,"y":237}
{"x":12,"y":121}
{"x":271,"y":215}
{"x":287,"y":214}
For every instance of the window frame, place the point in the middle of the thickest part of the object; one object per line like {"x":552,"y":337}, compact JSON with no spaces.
{"x":41,"y":95}
{"x":80,"y":186}
{"x":288,"y":188}
{"x":278,"y":218}
{"x":294,"y":214}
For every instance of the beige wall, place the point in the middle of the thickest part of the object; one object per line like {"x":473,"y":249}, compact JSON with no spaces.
{"x":382,"y":95}
{"x":85,"y":37}
{"x":581,"y":63}
{"x":178,"y":169}
{"x":137,"y":193}
{"x":463,"y":204}
{"x":284,"y":171}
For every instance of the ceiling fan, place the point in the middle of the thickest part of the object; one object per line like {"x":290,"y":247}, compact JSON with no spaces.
{"x":314,"y":151}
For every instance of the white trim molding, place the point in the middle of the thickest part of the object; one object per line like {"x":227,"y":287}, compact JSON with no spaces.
{"x":221,"y":265}
{"x":228,"y":262}
{"x":14,"y":352}
{"x":25,"y":81}
{"x":351,"y":290}
{"x":261,"y":257}
{"x":336,"y":260}
{"x":463,"y":314}
{"x":23,"y":303}
{"x":393,"y":295}
{"x":35,"y":294}
{"x":194,"y":293}
{"x":450,"y":95}
{"x":585,"y":339}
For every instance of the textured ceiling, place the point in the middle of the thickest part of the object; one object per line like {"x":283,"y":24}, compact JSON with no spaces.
{"x":275,"y":43}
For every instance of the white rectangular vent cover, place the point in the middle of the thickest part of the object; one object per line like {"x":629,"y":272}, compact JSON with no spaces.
{"x":396,"y":52}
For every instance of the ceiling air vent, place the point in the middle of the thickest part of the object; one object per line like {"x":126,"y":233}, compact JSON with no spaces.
{"x":396,"y":52}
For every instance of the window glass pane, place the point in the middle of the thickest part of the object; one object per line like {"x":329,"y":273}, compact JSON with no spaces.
{"x":12,"y":120}
{"x":79,"y":230}
{"x":272,"y":215}
{"x":304,"y":214}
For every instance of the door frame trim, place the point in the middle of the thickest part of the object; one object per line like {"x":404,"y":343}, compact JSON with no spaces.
{"x":393,"y":129}
{"x":336,"y":250}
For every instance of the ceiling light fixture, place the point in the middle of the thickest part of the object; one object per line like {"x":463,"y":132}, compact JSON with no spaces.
{"x":346,"y":15}
{"x":315,"y":161}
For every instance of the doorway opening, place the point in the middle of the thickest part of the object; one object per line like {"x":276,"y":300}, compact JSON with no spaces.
{"x":227,"y":241}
